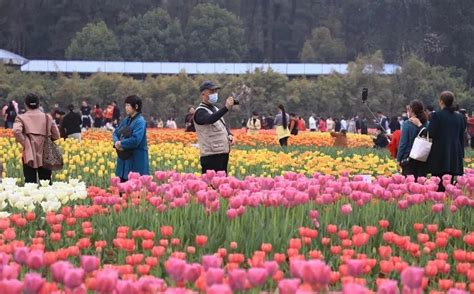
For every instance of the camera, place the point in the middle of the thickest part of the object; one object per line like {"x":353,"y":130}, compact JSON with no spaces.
{"x":236,"y":102}
{"x":365,"y":94}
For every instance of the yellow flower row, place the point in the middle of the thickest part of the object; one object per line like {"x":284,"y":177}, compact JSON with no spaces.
{"x":94,"y":161}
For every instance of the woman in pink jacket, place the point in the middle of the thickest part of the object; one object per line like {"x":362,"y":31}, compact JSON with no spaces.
{"x":31,"y":129}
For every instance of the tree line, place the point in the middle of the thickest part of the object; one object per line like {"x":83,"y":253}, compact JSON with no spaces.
{"x":438,"y":31}
{"x":331,"y":95}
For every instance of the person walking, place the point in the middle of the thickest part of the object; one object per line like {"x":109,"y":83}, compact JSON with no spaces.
{"x":312,"y":123}
{"x":293,"y":124}
{"x":322,"y":125}
{"x":364,"y":129}
{"x":409,"y":133}
{"x":72,"y":124}
{"x":30,"y":130}
{"x":344,"y":124}
{"x":330,"y":125}
{"x":253,"y":124}
{"x":115,"y":114}
{"x":381,"y":140}
{"x":214,"y":136}
{"x":98,"y":116}
{"x":86,"y":115}
{"x":130,"y":141}
{"x":281,"y":123}
{"x":301,"y":124}
{"x":10,"y":115}
{"x":189,"y":121}
{"x":351,"y":126}
{"x":446,"y":128}
{"x":470,"y":125}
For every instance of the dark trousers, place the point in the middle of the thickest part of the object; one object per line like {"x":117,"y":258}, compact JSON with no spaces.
{"x":472,"y":142}
{"x":415,"y":168}
{"x":33,"y":174}
{"x":283,"y":142}
{"x":216,"y":162}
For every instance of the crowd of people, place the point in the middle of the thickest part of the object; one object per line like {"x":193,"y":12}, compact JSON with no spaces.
{"x":446,"y":128}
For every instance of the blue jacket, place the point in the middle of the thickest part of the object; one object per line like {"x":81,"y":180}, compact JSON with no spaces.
{"x":138,"y":143}
{"x":409,"y":133}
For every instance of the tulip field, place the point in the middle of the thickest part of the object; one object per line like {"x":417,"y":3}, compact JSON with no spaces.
{"x":309,"y":219}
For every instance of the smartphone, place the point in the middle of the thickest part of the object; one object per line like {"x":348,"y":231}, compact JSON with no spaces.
{"x":365,"y":94}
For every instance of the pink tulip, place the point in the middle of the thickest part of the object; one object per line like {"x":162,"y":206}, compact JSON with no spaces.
{"x":114,"y":181}
{"x":219,"y":289}
{"x":148,"y":284}
{"x":437,"y":208}
{"x":192,"y":272}
{"x":214,"y":276}
{"x":346,"y":209}
{"x":21,"y":254}
{"x":11,"y":286}
{"x":388,"y":287}
{"x":296,"y":267}
{"x":89,"y":263}
{"x":232,"y":213}
{"x":352,"y":288}
{"x":32,"y":283}
{"x":106,"y":281}
{"x":58,"y":270}
{"x":316,"y":272}
{"x":271,"y":267}
{"x":35,"y":259}
{"x":78,"y":290}
{"x":456,"y":291}
{"x":257,"y":276}
{"x":355,"y":267}
{"x":288,"y":286}
{"x":412,"y":277}
{"x":73,"y":277}
{"x":9,"y":272}
{"x":237,"y":278}
{"x":126,"y":287}
{"x":403,"y":204}
{"x":175,"y":268}
{"x":210,"y":261}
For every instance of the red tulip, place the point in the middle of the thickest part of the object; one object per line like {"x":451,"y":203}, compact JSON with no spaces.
{"x":266,"y":247}
{"x":201,"y":240}
{"x":418,"y":227}
{"x":385,"y":251}
{"x":445,"y":284}
{"x":147,"y":244}
{"x":384,"y":223}
{"x":166,"y":231}
{"x":331,"y":229}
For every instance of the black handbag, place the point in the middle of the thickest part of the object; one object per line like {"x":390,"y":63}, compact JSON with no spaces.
{"x":124,"y":133}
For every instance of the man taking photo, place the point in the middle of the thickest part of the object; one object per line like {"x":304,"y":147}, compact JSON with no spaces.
{"x":214,"y":137}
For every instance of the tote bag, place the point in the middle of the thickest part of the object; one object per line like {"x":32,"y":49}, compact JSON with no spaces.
{"x":421,"y":147}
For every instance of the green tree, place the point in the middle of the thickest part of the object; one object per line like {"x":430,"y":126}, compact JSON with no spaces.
{"x":214,"y":34}
{"x":154,"y":36}
{"x":94,"y":42}
{"x":322,"y":47}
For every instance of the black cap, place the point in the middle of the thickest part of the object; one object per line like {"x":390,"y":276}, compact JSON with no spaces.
{"x":32,"y":101}
{"x":208,"y":85}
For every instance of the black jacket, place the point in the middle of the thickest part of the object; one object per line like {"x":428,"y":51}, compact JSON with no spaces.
{"x":447,"y":129}
{"x":71,"y":123}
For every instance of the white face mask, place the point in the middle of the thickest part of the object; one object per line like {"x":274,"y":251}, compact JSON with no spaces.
{"x":213,"y":98}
